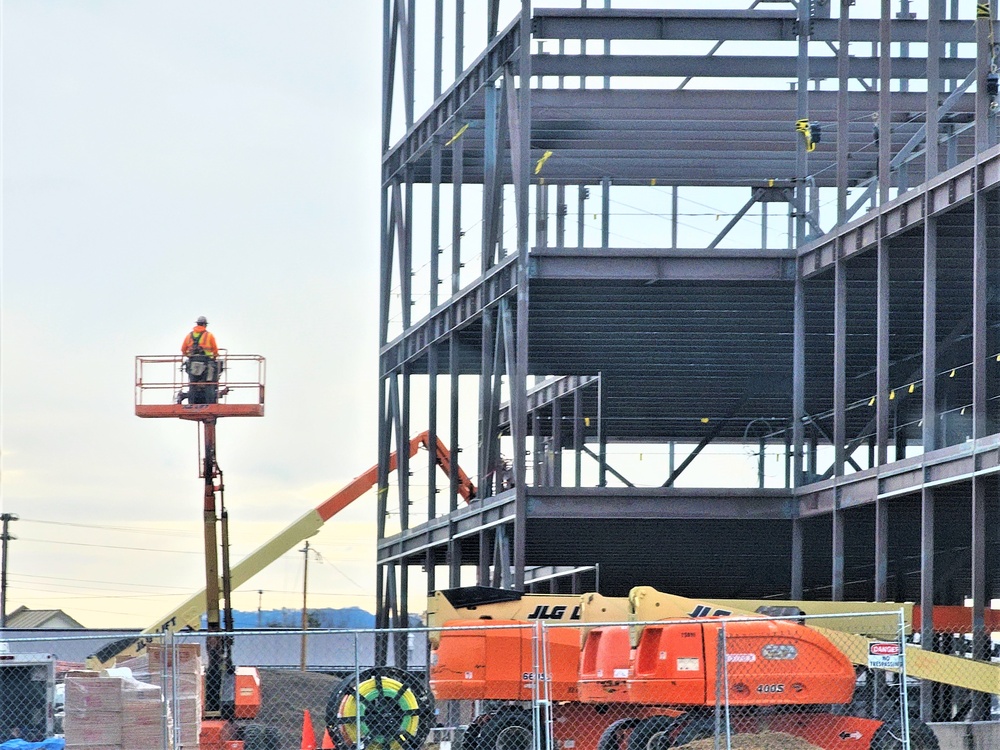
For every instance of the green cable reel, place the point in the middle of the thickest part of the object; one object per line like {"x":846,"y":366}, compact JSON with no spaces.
{"x":391,"y":707}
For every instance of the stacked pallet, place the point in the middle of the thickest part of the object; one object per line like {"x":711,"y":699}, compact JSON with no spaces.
{"x":112,"y":713}
{"x":178,"y":670}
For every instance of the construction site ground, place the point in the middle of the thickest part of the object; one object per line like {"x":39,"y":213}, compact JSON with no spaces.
{"x":762,"y":741}
{"x":289,"y":693}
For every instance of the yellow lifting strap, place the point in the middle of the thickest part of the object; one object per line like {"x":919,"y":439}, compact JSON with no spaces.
{"x":804,"y":127}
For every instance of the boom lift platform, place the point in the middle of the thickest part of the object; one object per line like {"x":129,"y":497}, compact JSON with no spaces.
{"x":160,"y":391}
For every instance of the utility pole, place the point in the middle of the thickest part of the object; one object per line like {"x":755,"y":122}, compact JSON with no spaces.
{"x":5,"y":537}
{"x":260,"y":614}
{"x":305,"y":614}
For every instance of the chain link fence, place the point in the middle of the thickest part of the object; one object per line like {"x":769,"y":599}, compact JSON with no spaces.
{"x":760,"y":683}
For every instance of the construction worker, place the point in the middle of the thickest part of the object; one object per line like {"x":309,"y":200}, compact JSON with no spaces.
{"x":201,"y":364}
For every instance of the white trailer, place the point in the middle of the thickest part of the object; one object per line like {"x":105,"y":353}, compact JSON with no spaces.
{"x":27,"y":695}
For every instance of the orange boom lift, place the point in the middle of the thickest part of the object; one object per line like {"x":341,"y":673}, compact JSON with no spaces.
{"x":230,"y":692}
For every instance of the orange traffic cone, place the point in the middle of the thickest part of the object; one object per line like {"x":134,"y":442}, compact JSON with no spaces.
{"x":327,"y":740}
{"x":308,"y":734}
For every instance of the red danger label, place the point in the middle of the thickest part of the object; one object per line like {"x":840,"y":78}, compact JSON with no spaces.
{"x":884,"y":649}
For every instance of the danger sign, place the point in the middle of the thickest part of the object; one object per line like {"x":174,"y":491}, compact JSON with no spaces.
{"x":885,"y":655}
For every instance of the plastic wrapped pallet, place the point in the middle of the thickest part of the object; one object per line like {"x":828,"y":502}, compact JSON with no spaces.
{"x":93,"y":711}
{"x":142,"y":716}
{"x":178,"y":670}
{"x":114,"y":713}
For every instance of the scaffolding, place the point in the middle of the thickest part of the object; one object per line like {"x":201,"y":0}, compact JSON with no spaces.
{"x":861,"y":349}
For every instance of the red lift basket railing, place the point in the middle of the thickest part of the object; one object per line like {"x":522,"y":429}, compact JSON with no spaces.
{"x":161,"y":379}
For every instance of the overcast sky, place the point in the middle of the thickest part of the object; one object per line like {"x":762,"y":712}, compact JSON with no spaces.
{"x":163,"y":161}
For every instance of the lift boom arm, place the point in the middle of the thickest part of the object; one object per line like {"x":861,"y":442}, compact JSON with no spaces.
{"x":189,"y":613}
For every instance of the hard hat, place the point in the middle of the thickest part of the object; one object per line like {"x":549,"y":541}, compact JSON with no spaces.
{"x":202,"y":320}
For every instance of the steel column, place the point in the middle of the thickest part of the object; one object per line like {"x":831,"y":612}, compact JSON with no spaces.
{"x":981,"y":642}
{"x":839,"y":362}
{"x":797,"y":561}
{"x":577,"y":438}
{"x":837,"y":545}
{"x":798,"y":375}
{"x":882,"y":323}
{"x":884,"y":102}
{"x":802,"y":113}
{"x":935,"y":14}
{"x":929,"y":405}
{"x":881,"y":592}
{"x":926,"y":589}
{"x":980,"y":299}
{"x":556,"y":480}
{"x":984,"y":49}
{"x":843,"y":110}
{"x":605,"y":212}
{"x":520,"y":138}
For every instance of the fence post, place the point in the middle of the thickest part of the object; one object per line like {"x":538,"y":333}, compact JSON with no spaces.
{"x":904,"y":701}
{"x":357,"y":689}
{"x":545,"y":720}
{"x":721,"y":687}
{"x":165,"y":697}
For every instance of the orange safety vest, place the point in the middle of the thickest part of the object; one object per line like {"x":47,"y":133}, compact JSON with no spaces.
{"x":202,"y":337}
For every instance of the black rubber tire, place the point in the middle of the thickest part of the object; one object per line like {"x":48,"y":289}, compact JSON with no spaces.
{"x":653,"y":734}
{"x":384,"y":712}
{"x":611,"y":738}
{"x":698,"y":728}
{"x":506,"y":729}
{"x":258,"y":737}
{"x":921,"y":737}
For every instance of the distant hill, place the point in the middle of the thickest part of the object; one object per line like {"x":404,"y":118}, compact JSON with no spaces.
{"x":348,"y":618}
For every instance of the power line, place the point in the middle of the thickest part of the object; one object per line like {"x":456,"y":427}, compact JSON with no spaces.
{"x":111,"y":546}
{"x":126,"y":529}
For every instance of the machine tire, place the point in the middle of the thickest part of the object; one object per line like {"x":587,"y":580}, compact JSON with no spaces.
{"x":649,"y":734}
{"x":611,"y":738}
{"x":921,"y":737}
{"x":698,"y":728}
{"x":397,"y":711}
{"x":258,"y":737}
{"x":507,"y":729}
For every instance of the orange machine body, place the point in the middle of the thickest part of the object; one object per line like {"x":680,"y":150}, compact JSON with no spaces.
{"x":473,"y":662}
{"x":768,"y":663}
{"x":605,"y":665}
{"x":672,"y":673}
{"x":247,"y":702}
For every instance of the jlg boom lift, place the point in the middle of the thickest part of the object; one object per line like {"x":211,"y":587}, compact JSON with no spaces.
{"x":231,"y":692}
{"x":642,"y":688}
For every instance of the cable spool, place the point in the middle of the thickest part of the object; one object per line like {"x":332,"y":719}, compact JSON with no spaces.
{"x":393,"y":709}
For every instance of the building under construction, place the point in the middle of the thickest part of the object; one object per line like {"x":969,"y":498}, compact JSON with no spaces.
{"x":837,"y":320}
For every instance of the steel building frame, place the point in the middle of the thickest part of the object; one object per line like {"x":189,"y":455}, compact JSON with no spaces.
{"x":837,"y":331}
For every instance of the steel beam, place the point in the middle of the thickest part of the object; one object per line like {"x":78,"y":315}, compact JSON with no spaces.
{"x":715,"y":24}
{"x":728,"y":67}
{"x":906,"y":212}
{"x":548,"y":392}
{"x":906,"y":477}
{"x":448,"y":107}
{"x":451,"y":316}
{"x":555,"y":503}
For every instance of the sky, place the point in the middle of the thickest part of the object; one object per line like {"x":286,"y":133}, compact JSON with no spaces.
{"x":165,"y":160}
